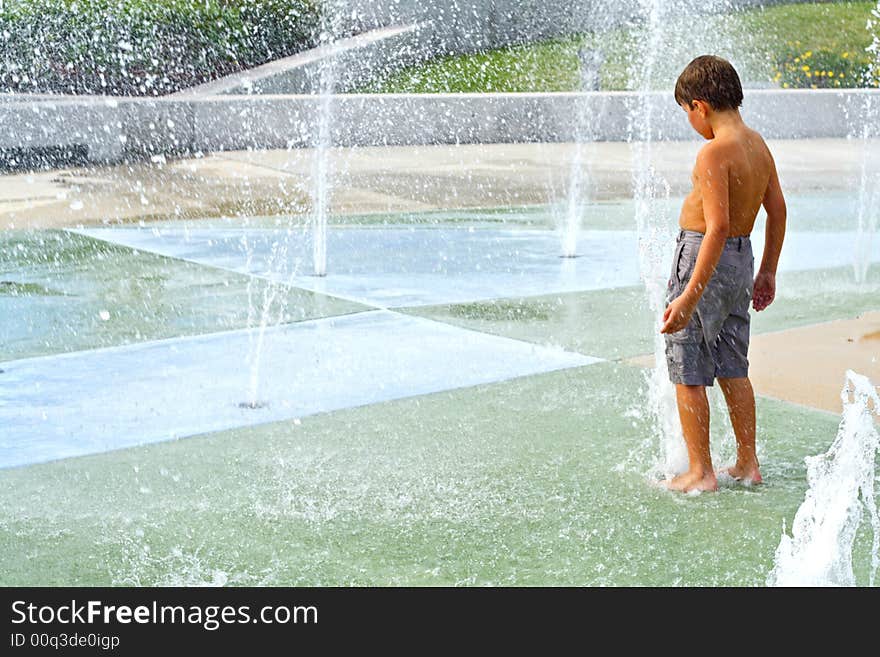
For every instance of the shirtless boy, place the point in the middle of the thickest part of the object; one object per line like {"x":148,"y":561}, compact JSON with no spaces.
{"x":706,"y":322}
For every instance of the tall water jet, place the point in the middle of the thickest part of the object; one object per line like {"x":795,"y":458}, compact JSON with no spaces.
{"x":322,"y":167}
{"x":672,"y":33}
{"x":272,"y":294}
{"x":819,"y":551}
{"x":655,"y":231}
{"x":869,"y":133}
{"x":590,"y":63}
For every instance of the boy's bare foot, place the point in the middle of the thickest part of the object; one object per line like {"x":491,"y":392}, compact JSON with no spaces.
{"x":692,"y":481}
{"x":747,"y":474}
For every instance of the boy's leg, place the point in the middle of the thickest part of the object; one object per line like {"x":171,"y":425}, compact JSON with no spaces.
{"x":691,"y":369}
{"x":693,"y":410}
{"x":741,"y":403}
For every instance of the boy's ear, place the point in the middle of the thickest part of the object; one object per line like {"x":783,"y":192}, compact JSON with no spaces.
{"x":701,"y":106}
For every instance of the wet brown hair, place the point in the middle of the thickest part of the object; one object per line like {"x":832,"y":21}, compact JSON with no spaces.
{"x":711,"y":79}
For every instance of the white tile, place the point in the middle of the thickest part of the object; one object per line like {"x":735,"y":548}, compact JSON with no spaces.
{"x":406,"y":266}
{"x":93,"y":401}
{"x":398,"y":267}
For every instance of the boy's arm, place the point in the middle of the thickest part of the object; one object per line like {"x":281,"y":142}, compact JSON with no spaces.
{"x":713,"y":172}
{"x":774,"y":204}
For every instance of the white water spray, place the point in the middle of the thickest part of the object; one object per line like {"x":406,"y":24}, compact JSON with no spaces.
{"x":869,"y":188}
{"x":271,"y":310}
{"x":667,"y":43}
{"x":655,"y":236}
{"x":575,"y":209}
{"x":322,"y":169}
{"x":579,"y":184}
{"x":819,"y":551}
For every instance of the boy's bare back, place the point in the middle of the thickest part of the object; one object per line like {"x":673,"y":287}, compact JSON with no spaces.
{"x":752,"y":180}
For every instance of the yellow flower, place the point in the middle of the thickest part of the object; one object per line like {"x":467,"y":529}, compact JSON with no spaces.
{"x":809,"y":53}
{"x":845,"y":55}
{"x":797,"y":59}
{"x":841,"y":75}
{"x":805,"y":68}
{"x":809,"y":75}
{"x":785,"y":85}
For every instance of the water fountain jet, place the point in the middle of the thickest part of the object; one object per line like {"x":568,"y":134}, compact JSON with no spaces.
{"x":819,"y":551}
{"x":655,"y":234}
{"x":869,"y":184}
{"x":322,"y":169}
{"x":590,"y":63}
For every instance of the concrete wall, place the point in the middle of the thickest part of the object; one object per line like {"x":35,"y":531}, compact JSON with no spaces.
{"x":280,"y":121}
{"x":111,"y":130}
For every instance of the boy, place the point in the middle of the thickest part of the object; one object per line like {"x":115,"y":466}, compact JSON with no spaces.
{"x":706,"y":322}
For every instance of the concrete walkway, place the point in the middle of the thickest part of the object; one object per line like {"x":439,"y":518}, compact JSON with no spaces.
{"x":376,"y":180}
{"x":429,"y":178}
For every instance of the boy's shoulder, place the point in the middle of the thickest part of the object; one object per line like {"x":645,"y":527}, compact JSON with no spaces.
{"x":717,"y":151}
{"x":714,"y":154}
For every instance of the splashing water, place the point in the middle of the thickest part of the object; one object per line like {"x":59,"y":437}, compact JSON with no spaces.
{"x":575,"y":209}
{"x":655,"y":234}
{"x":869,"y":188}
{"x":841,"y":482}
{"x":147,"y":49}
{"x":578,"y":190}
{"x":274,"y":297}
{"x":665,"y":45}
{"x":874,"y":48}
{"x":322,"y":173}
{"x":272,"y":309}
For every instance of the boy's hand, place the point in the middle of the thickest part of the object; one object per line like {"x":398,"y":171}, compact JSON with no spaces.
{"x":764,"y":290}
{"x":677,"y":315}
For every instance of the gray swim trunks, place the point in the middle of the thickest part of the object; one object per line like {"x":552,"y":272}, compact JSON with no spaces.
{"x":715,"y":343}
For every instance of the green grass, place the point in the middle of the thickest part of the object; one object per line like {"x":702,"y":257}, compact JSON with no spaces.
{"x":829,"y":37}
{"x":548,"y":66}
{"x":835,"y":25}
{"x":143,"y":47}
{"x":758,"y":41}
